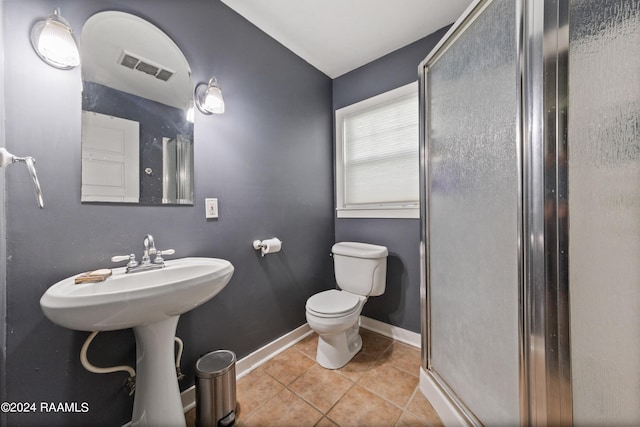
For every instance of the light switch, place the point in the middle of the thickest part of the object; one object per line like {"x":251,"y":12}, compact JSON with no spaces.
{"x":212,"y":208}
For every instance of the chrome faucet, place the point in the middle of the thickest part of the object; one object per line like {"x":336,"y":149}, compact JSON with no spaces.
{"x":146,"y":263}
{"x":149,"y":249}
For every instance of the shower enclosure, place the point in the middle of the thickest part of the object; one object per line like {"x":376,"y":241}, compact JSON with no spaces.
{"x":530,"y":174}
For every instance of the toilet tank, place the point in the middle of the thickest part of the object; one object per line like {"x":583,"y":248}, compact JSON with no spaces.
{"x":360,"y":268}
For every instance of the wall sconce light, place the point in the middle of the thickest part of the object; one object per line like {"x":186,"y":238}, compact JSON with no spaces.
{"x":53,"y":41}
{"x":209,"y":97}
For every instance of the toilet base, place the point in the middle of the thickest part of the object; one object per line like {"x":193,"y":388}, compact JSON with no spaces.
{"x":336,"y":350}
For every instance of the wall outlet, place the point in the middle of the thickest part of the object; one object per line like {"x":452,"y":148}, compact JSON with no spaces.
{"x":212,"y":208}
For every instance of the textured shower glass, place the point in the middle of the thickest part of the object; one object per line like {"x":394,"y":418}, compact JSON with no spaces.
{"x":473,"y":189}
{"x":604,"y":211}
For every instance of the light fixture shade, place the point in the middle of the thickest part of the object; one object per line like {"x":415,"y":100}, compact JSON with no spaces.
{"x":213,"y":100}
{"x":209,"y":98}
{"x":53,"y":41}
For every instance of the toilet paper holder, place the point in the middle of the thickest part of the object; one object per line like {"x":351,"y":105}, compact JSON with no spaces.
{"x":257,"y":245}
{"x":261,"y":245}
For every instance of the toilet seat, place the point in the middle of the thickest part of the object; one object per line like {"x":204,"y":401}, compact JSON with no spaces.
{"x":333,"y":303}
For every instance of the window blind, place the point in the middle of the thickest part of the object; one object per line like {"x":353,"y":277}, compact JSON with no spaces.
{"x":381,"y":154}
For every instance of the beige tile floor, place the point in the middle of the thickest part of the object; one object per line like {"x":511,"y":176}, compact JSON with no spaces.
{"x":379,"y":387}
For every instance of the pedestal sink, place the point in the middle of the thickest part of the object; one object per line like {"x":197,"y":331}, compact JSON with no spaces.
{"x":151,"y":303}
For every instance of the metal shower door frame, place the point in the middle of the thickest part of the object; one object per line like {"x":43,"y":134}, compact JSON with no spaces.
{"x":545,"y":221}
{"x":544,"y":346}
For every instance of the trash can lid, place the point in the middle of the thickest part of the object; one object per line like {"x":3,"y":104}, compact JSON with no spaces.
{"x":215,"y":363}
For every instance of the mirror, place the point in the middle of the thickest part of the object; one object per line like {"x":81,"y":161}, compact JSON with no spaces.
{"x":137,"y":109}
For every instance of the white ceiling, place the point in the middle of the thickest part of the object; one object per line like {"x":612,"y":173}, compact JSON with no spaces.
{"x":337,"y":36}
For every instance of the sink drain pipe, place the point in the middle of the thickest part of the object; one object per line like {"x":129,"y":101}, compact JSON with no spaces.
{"x":124,"y":368}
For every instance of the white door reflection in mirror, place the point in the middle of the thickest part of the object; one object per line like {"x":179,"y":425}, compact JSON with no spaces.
{"x":110,"y":158}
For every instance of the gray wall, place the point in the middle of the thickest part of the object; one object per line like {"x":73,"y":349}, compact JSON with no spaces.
{"x":400,"y":304}
{"x":268,"y":160}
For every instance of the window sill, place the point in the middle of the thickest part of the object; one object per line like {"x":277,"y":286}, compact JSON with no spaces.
{"x":379,"y":213}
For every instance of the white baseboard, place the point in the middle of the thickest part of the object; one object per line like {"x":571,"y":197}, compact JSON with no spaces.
{"x":271,"y":350}
{"x":447,"y":412}
{"x":394,"y":332}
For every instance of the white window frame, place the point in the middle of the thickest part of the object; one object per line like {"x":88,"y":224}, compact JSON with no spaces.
{"x":411,"y":210}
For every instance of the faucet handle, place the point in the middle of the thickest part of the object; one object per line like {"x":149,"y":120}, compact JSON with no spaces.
{"x":158,"y":259}
{"x":131,"y":258}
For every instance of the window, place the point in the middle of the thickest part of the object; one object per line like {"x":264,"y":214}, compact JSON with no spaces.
{"x":377,"y":156}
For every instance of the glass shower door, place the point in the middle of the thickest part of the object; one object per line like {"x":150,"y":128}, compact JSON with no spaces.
{"x":604,"y":210}
{"x":473,"y":210}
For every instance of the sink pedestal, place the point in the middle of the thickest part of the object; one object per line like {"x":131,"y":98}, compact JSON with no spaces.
{"x":157,"y":399}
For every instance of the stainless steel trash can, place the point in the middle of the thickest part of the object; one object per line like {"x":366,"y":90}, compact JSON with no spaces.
{"x":216,"y":389}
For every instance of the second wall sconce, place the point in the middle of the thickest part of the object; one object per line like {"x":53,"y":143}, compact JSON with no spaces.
{"x":53,"y":41}
{"x":209,"y":97}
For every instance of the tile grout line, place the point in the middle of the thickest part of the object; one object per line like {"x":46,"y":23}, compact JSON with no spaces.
{"x":353,"y":385}
{"x":324,"y":414}
{"x":286,"y":386}
{"x":406,"y":405}
{"x":406,"y":408}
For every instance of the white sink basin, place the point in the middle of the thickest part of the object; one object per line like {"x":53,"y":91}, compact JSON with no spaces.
{"x":151,"y":303}
{"x":127,"y":300}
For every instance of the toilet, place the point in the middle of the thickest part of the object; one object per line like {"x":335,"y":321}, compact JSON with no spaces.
{"x":361,"y":271}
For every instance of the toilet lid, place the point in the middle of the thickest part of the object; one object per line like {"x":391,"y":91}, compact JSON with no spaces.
{"x":333,"y":302}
